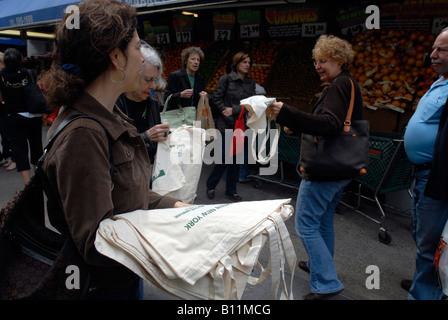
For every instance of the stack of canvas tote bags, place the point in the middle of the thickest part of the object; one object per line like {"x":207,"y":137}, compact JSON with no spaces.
{"x":203,"y":251}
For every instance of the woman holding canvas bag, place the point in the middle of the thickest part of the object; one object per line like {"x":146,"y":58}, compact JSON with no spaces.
{"x":230,"y":90}
{"x":92,"y":67}
{"x":318,"y":196}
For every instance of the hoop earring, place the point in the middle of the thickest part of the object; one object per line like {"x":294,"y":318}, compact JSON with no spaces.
{"x":115,"y":81}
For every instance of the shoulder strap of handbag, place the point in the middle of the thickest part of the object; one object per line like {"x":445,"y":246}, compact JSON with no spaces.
{"x":348,"y":119}
{"x":50,"y":192}
{"x":65,"y":123}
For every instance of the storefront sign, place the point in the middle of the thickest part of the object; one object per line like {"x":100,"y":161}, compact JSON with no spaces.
{"x":249,"y":22}
{"x":314,"y":29}
{"x":287,"y":21}
{"x":223,"y":23}
{"x":183,"y":25}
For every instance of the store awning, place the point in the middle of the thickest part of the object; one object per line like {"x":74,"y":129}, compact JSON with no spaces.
{"x":25,"y":13}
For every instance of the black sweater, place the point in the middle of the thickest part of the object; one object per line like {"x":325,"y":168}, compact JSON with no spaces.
{"x":329,"y":113}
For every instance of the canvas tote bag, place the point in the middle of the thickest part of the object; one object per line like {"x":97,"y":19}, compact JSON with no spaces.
{"x":205,"y":251}
{"x":260,"y":123}
{"x":178,"y":163}
{"x":181,"y":116}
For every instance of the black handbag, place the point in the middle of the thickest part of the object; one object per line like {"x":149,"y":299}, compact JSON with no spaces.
{"x":344,"y":156}
{"x":34,"y":98}
{"x":37,"y":262}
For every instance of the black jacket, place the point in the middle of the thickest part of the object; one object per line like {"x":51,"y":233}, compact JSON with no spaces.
{"x":329,"y":113}
{"x":11,"y":88}
{"x":145,"y":115}
{"x":437,"y":185}
{"x":177,"y":82}
{"x":229,"y":91}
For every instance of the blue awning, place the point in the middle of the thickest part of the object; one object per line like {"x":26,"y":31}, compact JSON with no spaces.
{"x":14,"y":14}
{"x":25,"y":13}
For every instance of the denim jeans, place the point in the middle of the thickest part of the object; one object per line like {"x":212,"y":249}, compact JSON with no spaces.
{"x":316,"y":204}
{"x":428,"y":220}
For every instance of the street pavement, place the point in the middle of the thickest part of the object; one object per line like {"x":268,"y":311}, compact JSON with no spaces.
{"x":357,"y":248}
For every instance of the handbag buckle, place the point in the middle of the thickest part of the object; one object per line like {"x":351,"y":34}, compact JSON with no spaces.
{"x":347,"y":124}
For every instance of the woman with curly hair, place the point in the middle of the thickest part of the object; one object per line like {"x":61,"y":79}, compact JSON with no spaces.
{"x":317,"y":198}
{"x":186,"y":85}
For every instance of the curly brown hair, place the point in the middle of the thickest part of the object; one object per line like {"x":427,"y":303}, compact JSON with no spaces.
{"x":82,"y":54}
{"x":186,"y":54}
{"x":329,"y":46}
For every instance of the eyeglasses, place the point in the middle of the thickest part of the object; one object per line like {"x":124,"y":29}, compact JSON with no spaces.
{"x":150,"y":80}
{"x":320,"y":61}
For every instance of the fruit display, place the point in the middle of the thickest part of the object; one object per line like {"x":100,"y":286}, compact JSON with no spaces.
{"x":390,"y":68}
{"x":263,"y":55}
{"x":293,"y":73}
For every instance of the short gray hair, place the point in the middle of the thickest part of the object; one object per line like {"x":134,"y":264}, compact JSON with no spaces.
{"x":153,"y":58}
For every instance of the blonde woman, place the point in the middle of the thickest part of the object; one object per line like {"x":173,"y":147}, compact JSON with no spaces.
{"x":317,"y":199}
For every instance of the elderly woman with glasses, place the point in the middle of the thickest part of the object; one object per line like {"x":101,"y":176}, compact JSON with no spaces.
{"x":317,"y":198}
{"x":142,"y":107}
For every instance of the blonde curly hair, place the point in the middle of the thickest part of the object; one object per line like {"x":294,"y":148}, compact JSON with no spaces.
{"x":329,"y":46}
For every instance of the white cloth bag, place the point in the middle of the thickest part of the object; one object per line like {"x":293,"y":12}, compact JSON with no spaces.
{"x":178,"y":163}
{"x":205,"y":251}
{"x":260,"y":123}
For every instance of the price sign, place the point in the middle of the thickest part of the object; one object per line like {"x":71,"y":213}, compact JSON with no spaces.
{"x":439,"y":24}
{"x":353,"y":30}
{"x":313,"y":29}
{"x":250,"y":31}
{"x":163,"y":38}
{"x":184,"y":36}
{"x":221,"y":35}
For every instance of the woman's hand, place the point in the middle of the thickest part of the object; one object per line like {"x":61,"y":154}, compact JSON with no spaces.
{"x":287,"y":130}
{"x":187,"y":93}
{"x":274,"y":109}
{"x":180,"y":204}
{"x":227,"y":112}
{"x":159,"y":132}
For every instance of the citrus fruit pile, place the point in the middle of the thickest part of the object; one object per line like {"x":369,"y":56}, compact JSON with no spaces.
{"x":390,"y":67}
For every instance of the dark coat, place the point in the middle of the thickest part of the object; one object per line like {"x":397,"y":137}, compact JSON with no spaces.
{"x":229,"y":91}
{"x":437,"y":185}
{"x":12,"y":92}
{"x":178,"y":82}
{"x":328,"y":116}
{"x":329,"y":113}
{"x":77,"y":166}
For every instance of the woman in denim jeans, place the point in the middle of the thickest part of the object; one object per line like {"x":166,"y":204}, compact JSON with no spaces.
{"x":317,"y":198}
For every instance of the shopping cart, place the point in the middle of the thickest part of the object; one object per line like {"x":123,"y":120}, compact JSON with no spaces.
{"x":389,"y":170}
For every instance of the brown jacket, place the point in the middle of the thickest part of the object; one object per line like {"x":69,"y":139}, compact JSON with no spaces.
{"x":78,"y":167}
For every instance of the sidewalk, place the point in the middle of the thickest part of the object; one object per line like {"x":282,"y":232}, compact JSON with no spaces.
{"x":356,"y":243}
